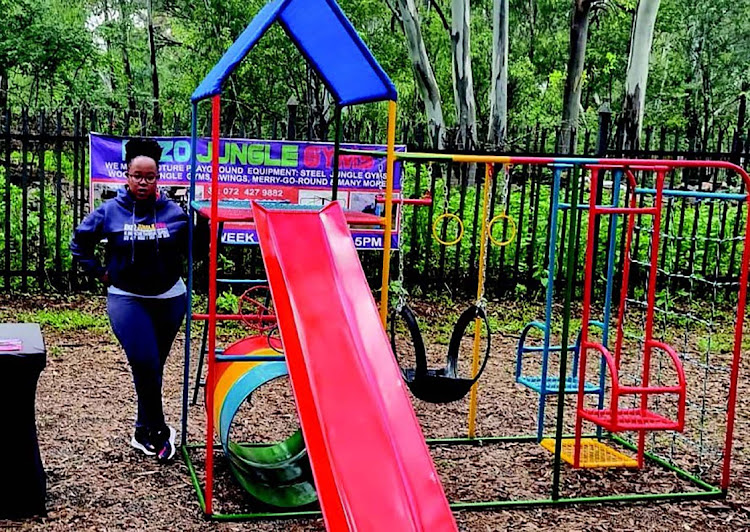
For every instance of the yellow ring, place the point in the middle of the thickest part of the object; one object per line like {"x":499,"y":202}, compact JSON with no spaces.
{"x":448,"y":216}
{"x":502,"y":216}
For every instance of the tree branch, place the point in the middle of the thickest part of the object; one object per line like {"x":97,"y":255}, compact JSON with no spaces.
{"x":162,"y":41}
{"x":440,"y":13}
{"x":395,"y":12}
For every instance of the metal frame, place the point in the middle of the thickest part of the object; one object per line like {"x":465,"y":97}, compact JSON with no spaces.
{"x":706,"y":490}
{"x":623,"y":165}
{"x":211,"y":318}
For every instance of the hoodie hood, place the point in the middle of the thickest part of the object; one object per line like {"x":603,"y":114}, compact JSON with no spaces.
{"x":127,"y":200}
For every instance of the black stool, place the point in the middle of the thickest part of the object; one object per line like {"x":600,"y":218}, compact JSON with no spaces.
{"x":22,"y":479}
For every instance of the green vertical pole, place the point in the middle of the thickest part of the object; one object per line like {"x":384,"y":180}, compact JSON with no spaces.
{"x":569,"y":279}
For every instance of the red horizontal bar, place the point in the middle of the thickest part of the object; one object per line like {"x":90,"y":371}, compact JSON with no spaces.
{"x":650,"y":389}
{"x":605,"y":166}
{"x":624,"y":210}
{"x":363,"y":218}
{"x":649,"y":168}
{"x":236,"y":317}
{"x":407,"y":201}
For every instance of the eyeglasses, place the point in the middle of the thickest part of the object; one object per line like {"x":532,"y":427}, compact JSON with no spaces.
{"x":149,"y":178}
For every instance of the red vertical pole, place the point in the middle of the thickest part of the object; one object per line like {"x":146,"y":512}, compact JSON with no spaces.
{"x":625,"y":270}
{"x":650,"y":303}
{"x":588,"y":276}
{"x":737,"y":352}
{"x":213,"y":252}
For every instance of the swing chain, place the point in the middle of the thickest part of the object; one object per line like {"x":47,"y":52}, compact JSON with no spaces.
{"x":445,"y":192}
{"x":506,"y":186}
{"x":481,"y":300}
{"x":399,"y":288}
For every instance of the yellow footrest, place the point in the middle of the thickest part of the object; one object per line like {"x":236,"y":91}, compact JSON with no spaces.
{"x":593,"y":453}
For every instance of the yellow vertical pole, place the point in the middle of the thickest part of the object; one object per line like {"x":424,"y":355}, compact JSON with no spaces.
{"x":390,"y":162}
{"x":480,"y":291}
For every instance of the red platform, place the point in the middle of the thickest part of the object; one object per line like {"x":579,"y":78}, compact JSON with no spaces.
{"x":630,"y":419}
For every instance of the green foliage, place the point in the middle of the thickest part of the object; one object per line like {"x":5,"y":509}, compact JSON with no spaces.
{"x":70,"y":53}
{"x":47,"y":49}
{"x":32,"y":228}
{"x":67,"y":319}
{"x":227,"y":303}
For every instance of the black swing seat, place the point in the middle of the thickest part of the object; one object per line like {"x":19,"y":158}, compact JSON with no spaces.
{"x":439,"y":385}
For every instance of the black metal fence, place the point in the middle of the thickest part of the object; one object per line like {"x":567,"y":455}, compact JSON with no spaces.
{"x":45,"y":194}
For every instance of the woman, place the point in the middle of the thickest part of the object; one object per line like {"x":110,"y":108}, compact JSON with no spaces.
{"x":146,"y":236}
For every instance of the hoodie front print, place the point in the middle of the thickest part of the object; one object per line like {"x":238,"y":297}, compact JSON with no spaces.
{"x":146,"y":241}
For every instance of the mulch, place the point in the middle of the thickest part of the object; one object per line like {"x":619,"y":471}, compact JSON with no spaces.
{"x":85,"y":411}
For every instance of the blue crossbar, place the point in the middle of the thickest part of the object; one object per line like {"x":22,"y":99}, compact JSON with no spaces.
{"x":695,"y":194}
{"x":243,"y":281}
{"x":552,"y":385}
{"x":540,"y":348}
{"x":566,"y":206}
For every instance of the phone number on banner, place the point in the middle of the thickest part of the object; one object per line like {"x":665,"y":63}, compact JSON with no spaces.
{"x":249,"y":192}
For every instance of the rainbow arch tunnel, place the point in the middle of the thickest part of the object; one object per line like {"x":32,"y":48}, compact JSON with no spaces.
{"x":277,"y":474}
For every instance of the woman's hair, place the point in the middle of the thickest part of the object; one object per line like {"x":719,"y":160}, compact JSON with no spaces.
{"x":142,"y":147}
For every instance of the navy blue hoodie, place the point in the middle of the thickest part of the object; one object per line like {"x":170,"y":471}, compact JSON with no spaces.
{"x":146,"y":241}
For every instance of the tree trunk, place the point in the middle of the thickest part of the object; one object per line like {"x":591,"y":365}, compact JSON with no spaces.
{"x":319,"y":106}
{"x":499,"y":85}
{"x":641,"y":38}
{"x":426,"y":82}
{"x":532,"y":29}
{"x":692,"y":82}
{"x":154,"y":71}
{"x":579,"y":32}
{"x":124,"y":25}
{"x":463,"y":80}
{"x":3,"y":89}
{"x":110,"y":63}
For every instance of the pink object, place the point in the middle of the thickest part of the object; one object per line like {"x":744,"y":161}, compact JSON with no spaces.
{"x":10,"y":344}
{"x":371,"y":464}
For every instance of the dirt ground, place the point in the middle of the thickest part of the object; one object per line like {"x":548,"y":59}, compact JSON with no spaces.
{"x":85,"y":410}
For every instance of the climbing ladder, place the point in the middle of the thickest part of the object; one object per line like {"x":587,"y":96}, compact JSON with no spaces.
{"x":232,"y":211}
{"x":546,"y":383}
{"x":613,"y":417}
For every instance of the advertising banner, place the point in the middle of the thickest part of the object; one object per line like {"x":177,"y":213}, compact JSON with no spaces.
{"x":296,"y":172}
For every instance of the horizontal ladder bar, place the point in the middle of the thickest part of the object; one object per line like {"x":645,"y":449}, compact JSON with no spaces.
{"x":243,"y":281}
{"x":540,"y":348}
{"x":250,"y":358}
{"x":235,"y":317}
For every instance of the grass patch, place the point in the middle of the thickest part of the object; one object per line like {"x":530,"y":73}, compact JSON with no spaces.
{"x":67,"y":319}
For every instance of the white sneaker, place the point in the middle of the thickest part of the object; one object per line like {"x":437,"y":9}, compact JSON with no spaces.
{"x":143,"y":441}
{"x":166,"y":449}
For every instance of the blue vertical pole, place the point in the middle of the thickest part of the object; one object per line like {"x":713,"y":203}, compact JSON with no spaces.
{"x":611,"y":255}
{"x":548,"y":308}
{"x":189,"y":316}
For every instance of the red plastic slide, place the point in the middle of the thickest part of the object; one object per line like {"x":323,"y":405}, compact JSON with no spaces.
{"x":371,"y":464}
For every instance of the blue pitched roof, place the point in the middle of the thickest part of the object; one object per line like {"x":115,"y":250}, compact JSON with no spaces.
{"x":328,"y":41}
